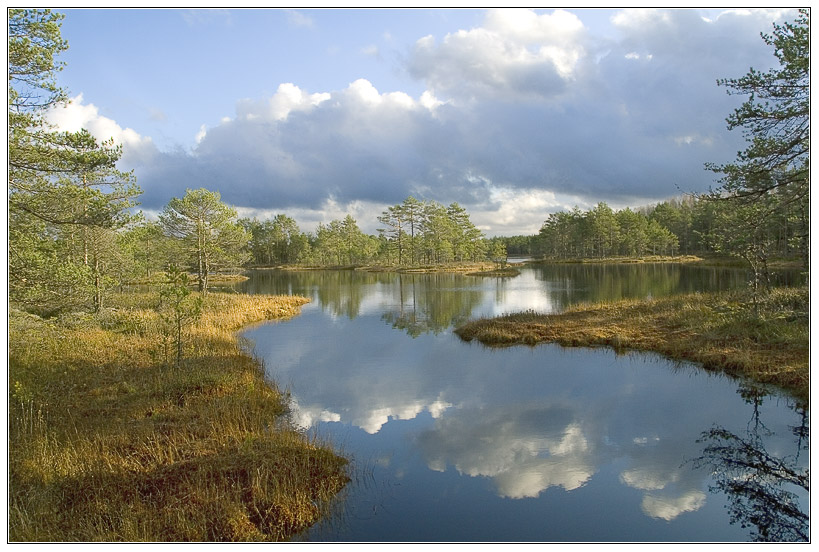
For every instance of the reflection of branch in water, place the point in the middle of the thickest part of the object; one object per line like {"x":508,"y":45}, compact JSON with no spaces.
{"x":754,"y":396}
{"x":754,"y":482}
{"x":802,"y":433}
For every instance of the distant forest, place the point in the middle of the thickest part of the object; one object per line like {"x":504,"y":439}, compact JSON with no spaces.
{"x":680,"y":226}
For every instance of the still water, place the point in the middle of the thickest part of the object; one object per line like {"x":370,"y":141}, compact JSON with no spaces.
{"x":454,"y":441}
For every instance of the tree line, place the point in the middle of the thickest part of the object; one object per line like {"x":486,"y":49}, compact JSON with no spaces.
{"x":74,"y":233}
{"x":412,"y":232}
{"x":602,"y":232}
{"x":761,"y":208}
{"x":685,"y":225}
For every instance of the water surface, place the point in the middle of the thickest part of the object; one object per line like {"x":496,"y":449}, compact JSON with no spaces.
{"x":454,"y":441}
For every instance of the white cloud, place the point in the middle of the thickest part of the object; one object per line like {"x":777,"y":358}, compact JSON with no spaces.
{"x":690,"y":139}
{"x":363,"y":90}
{"x":203,"y":131}
{"x":77,"y":115}
{"x":515,"y":52}
{"x":438,"y":408}
{"x":512,"y":209}
{"x":374,"y":419}
{"x":288,"y":97}
{"x":306,"y":416}
{"x":637,"y":18}
{"x":528,"y":27}
{"x":429,"y":100}
{"x":558,"y":36}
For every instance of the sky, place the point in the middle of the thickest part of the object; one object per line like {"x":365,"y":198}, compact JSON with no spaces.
{"x":320,"y":113}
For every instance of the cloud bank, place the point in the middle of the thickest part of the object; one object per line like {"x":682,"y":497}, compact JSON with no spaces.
{"x":525,"y":115}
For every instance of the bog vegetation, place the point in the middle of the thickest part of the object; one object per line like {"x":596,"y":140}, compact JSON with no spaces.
{"x":135,"y":416}
{"x":114,"y":437}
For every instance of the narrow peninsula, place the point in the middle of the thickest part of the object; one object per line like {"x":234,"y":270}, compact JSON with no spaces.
{"x":766,"y":341}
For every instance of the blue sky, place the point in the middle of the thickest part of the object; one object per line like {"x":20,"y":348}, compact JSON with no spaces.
{"x":318,"y":113}
{"x":171,"y":71}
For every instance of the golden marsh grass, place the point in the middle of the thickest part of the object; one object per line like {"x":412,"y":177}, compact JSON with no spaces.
{"x":109,"y":441}
{"x":769,"y":343}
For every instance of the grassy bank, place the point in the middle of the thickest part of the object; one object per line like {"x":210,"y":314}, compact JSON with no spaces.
{"x":460,"y":268}
{"x":710,"y":259}
{"x":627,"y":260}
{"x":508,"y":272}
{"x":109,"y":441}
{"x":769,"y":344}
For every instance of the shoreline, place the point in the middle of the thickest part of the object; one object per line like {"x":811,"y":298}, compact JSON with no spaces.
{"x":681,"y":259}
{"x":488,"y":266}
{"x":450,"y":268}
{"x":716,"y":330}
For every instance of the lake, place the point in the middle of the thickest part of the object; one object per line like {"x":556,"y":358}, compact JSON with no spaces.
{"x":456,"y":442}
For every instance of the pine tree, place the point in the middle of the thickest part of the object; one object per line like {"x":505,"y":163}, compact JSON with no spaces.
{"x":771,"y":177}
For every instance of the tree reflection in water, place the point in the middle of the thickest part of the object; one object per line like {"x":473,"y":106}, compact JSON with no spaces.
{"x":431,"y":303}
{"x":756,"y":482}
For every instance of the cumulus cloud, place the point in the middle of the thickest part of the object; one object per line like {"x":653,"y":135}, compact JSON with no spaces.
{"x":523,"y":115}
{"x":298,"y":150}
{"x":203,"y":131}
{"x":516,"y":52}
{"x":647,"y":479}
{"x":287,"y":99}
{"x":77,"y":115}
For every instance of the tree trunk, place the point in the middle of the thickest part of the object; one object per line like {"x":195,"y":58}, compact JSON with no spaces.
{"x":178,"y":339}
{"x":97,"y":285}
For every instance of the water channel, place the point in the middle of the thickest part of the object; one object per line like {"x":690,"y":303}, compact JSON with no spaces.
{"x":456,"y":442}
